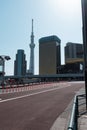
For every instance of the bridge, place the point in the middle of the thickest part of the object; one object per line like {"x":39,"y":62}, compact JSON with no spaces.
{"x":68,"y":75}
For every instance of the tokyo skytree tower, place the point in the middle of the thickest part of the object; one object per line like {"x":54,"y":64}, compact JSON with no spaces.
{"x":32,"y":46}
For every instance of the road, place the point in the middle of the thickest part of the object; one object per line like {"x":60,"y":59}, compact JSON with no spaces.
{"x":35,"y":109}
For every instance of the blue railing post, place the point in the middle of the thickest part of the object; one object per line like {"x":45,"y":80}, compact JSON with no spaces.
{"x":73,"y":124}
{"x":73,"y":121}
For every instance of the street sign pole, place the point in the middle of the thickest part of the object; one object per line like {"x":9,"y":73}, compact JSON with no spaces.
{"x":84,"y":20}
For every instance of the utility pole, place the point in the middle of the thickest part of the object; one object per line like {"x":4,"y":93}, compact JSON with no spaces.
{"x":84,"y":20}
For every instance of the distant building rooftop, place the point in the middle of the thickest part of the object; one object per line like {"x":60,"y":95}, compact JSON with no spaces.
{"x":69,"y":43}
{"x":49,"y":39}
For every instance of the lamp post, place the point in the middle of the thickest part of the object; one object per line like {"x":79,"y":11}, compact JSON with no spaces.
{"x":84,"y":20}
{"x":3,"y":58}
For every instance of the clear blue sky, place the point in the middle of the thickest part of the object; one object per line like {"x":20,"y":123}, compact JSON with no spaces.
{"x":51,"y":17}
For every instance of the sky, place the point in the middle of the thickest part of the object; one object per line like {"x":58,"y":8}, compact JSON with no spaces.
{"x":62,"y":18}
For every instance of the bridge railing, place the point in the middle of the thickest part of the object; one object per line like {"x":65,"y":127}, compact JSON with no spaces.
{"x":76,"y":112}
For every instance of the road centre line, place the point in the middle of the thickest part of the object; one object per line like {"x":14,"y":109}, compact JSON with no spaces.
{"x":28,"y":95}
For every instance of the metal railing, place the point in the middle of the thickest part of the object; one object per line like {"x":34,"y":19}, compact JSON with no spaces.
{"x":76,"y":112}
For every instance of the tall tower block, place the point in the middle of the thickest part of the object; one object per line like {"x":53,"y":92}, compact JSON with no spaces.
{"x":49,"y":55}
{"x":32,"y":46}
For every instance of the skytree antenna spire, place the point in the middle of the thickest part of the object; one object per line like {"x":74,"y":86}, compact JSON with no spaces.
{"x":32,"y":26}
{"x":32,"y":45}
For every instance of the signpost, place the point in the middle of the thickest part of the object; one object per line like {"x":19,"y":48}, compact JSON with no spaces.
{"x":84,"y":20}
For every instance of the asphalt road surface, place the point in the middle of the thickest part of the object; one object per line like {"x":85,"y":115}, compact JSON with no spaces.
{"x":35,"y":109}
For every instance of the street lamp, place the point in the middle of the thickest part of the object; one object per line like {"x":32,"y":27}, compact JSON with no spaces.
{"x":3,"y":58}
{"x":84,"y":20}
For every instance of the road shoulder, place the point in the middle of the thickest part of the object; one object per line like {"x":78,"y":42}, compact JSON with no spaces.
{"x":63,"y":120}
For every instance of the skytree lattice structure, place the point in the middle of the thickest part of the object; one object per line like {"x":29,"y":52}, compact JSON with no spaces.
{"x":32,"y":46}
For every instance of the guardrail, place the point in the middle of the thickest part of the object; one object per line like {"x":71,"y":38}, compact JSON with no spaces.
{"x":73,"y":124}
{"x":74,"y":114}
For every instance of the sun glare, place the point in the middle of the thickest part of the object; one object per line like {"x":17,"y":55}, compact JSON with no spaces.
{"x":63,"y":2}
{"x":66,"y":2}
{"x":65,"y":5}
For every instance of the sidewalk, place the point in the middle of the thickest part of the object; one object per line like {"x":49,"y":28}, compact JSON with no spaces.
{"x":62,"y":121}
{"x":82,"y":120}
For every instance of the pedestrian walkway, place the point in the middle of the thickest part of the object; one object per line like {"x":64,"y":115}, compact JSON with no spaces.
{"x":82,"y":122}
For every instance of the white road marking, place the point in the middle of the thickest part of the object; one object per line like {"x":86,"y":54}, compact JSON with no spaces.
{"x":19,"y":97}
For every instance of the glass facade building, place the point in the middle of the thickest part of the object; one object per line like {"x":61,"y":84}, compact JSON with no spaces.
{"x":49,"y":55}
{"x":20,"y":63}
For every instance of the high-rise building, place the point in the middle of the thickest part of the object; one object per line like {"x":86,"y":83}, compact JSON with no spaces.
{"x":49,"y":55}
{"x":20,"y":63}
{"x":73,"y":52}
{"x":32,"y":46}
